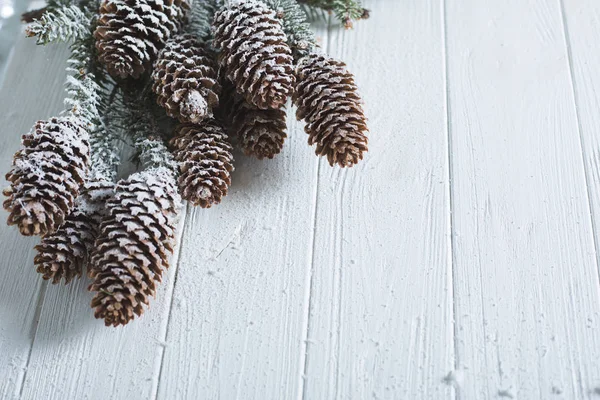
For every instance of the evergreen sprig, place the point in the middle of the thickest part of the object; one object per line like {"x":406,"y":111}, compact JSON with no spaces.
{"x":293,"y":19}
{"x":142,"y":123}
{"x":201,"y":16}
{"x":345,"y":11}
{"x":60,"y":23}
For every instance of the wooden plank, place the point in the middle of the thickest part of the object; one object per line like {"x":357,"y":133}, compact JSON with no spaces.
{"x":381,"y":303}
{"x":582,"y":19}
{"x":25,"y":97}
{"x":526,"y":283}
{"x":241,"y":299}
{"x":76,"y":357}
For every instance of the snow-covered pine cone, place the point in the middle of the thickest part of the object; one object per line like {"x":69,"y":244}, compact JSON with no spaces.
{"x":205,"y":162}
{"x":130,"y":33}
{"x":134,"y":244}
{"x":47,"y":175}
{"x":260,"y":133}
{"x":64,"y":254}
{"x":327,"y":99}
{"x":185,"y":80}
{"x":254,"y":53}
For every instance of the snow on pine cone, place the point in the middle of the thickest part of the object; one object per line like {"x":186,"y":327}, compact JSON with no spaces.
{"x":134,"y":244}
{"x":130,"y":33}
{"x":205,"y":162}
{"x":254,"y":53}
{"x":327,"y":99}
{"x":64,"y":254}
{"x":185,"y":80}
{"x":260,"y":133}
{"x":46,"y":176}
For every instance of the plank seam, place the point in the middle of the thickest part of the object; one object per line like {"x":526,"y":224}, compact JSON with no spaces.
{"x":310,"y":271}
{"x":165,"y":337}
{"x":34,"y":329}
{"x":308,"y":295}
{"x":450,"y":198}
{"x":574,"y":92}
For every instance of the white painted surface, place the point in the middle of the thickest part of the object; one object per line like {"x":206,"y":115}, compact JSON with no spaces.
{"x":458,"y":261}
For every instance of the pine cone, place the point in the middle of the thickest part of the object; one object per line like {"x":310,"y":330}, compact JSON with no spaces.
{"x":327,"y":99}
{"x":134,"y":245}
{"x":260,"y":133}
{"x":63,"y":254}
{"x":205,"y":162}
{"x":255,"y":54}
{"x":185,"y":80}
{"x":46,"y":176}
{"x":130,"y":33}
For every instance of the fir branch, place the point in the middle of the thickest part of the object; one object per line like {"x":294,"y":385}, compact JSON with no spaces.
{"x":201,"y":16}
{"x":105,"y":158}
{"x":143,"y":124}
{"x":60,"y":23}
{"x":84,"y":86}
{"x":345,"y":11}
{"x":154,"y":153}
{"x":89,"y":102}
{"x":293,"y":19}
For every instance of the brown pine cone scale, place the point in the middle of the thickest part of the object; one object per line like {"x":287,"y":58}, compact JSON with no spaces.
{"x":130,"y":33}
{"x":260,"y":133}
{"x":185,"y":80}
{"x":205,"y":162}
{"x":46,"y":176}
{"x":254,"y":53}
{"x":134,"y":244}
{"x":63,"y":254}
{"x":327,"y":99}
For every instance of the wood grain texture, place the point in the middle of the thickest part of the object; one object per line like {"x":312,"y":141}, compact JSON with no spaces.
{"x":582,"y":28}
{"x":76,"y":357}
{"x":239,"y":313}
{"x":25,"y":96}
{"x":526,"y":283}
{"x":381,"y":300}
{"x":457,"y":261}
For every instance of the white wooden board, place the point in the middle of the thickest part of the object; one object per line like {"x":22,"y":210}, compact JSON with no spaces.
{"x":458,"y":261}
{"x":525,"y":271}
{"x":381,"y":297}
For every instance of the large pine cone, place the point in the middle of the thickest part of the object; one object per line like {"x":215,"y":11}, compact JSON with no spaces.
{"x":255,"y":55}
{"x":46,"y":176}
{"x":64,"y":254}
{"x":134,"y":245}
{"x":130,"y":33}
{"x":260,"y":133}
{"x":327,"y":99}
{"x":205,"y":162}
{"x":185,"y":80}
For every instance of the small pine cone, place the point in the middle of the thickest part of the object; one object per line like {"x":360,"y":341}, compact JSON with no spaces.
{"x":63,"y":254}
{"x":134,"y":244}
{"x":130,"y":33}
{"x":327,"y":98}
{"x":261,"y":133}
{"x":185,"y":80}
{"x":205,"y":162}
{"x":255,"y":54}
{"x":46,"y":176}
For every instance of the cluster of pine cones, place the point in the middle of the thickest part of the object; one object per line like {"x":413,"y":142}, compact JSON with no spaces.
{"x":234,"y":85}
